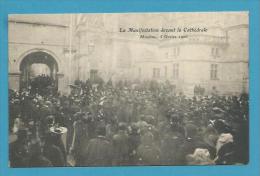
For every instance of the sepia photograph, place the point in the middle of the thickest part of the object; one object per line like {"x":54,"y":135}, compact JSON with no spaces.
{"x":128,"y":89}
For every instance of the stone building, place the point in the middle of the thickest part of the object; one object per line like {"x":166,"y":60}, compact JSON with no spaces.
{"x":41,"y":40}
{"x":218,"y":63}
{"x":86,"y":46}
{"x":217,"y":60}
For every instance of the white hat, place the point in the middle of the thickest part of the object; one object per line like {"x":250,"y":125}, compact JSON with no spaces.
{"x":199,"y":157}
{"x":224,"y":138}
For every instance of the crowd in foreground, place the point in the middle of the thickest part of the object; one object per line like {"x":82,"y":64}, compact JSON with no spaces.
{"x":107,"y":124}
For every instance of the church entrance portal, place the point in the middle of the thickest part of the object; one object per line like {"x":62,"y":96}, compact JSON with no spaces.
{"x":39,"y":73}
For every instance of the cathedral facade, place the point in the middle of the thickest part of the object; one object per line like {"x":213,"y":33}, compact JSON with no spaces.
{"x":84,"y":46}
{"x":216,"y":61}
{"x":38,"y":40}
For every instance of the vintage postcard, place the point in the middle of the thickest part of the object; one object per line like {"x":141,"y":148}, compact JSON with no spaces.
{"x":128,"y":89}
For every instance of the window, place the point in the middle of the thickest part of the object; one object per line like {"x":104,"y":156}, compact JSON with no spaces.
{"x":245,"y":77}
{"x":165,"y":71}
{"x":212,"y":51}
{"x":175,"y":71}
{"x":215,"y":52}
{"x":139,"y":72}
{"x":166,"y":55}
{"x":172,"y":52}
{"x":156,"y":72}
{"x":93,"y":75}
{"x":176,"y":51}
{"x":79,"y":72}
{"x":124,"y":59}
{"x":214,"y":71}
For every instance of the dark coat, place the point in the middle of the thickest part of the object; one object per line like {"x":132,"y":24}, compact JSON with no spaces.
{"x":39,"y":161}
{"x":14,"y":110}
{"x":134,"y":141}
{"x":170,"y":145}
{"x":227,"y":154}
{"x":99,"y":152}
{"x":18,"y":154}
{"x":121,"y":148}
{"x":148,"y":155}
{"x":54,"y":154}
{"x":81,"y":141}
{"x":189,"y":146}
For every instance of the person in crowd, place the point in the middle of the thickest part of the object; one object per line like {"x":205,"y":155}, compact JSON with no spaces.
{"x":147,"y":152}
{"x":199,"y":157}
{"x":80,"y":137}
{"x":36,"y":158}
{"x":19,"y":149}
{"x":121,"y":145}
{"x":226,"y":149}
{"x":210,"y":137}
{"x":99,"y":150}
{"x":126,"y":123}
{"x":134,"y":141}
{"x":53,"y":152}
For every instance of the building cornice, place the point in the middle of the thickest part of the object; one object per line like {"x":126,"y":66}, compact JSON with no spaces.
{"x":197,"y":39}
{"x":190,"y":60}
{"x":37,"y":23}
{"x":14,"y":73}
{"x":237,"y":27}
{"x":37,"y":44}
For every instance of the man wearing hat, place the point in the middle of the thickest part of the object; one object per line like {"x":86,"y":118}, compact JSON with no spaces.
{"x":99,"y":150}
{"x":134,"y":141}
{"x":14,"y":111}
{"x":80,"y":137}
{"x":36,"y":156}
{"x":121,"y":145}
{"x":53,"y":152}
{"x":18,"y":150}
{"x":147,"y":152}
{"x":226,"y":149}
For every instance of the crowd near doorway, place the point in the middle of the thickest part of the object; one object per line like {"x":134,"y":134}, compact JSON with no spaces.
{"x":39,"y":73}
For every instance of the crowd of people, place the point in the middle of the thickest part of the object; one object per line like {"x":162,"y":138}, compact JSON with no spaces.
{"x":123,"y":123}
{"x":41,"y":84}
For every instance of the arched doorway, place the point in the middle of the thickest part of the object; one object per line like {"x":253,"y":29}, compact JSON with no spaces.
{"x":41,"y":67}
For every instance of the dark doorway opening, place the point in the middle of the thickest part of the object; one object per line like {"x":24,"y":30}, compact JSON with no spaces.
{"x":39,"y":73}
{"x":93,"y":75}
